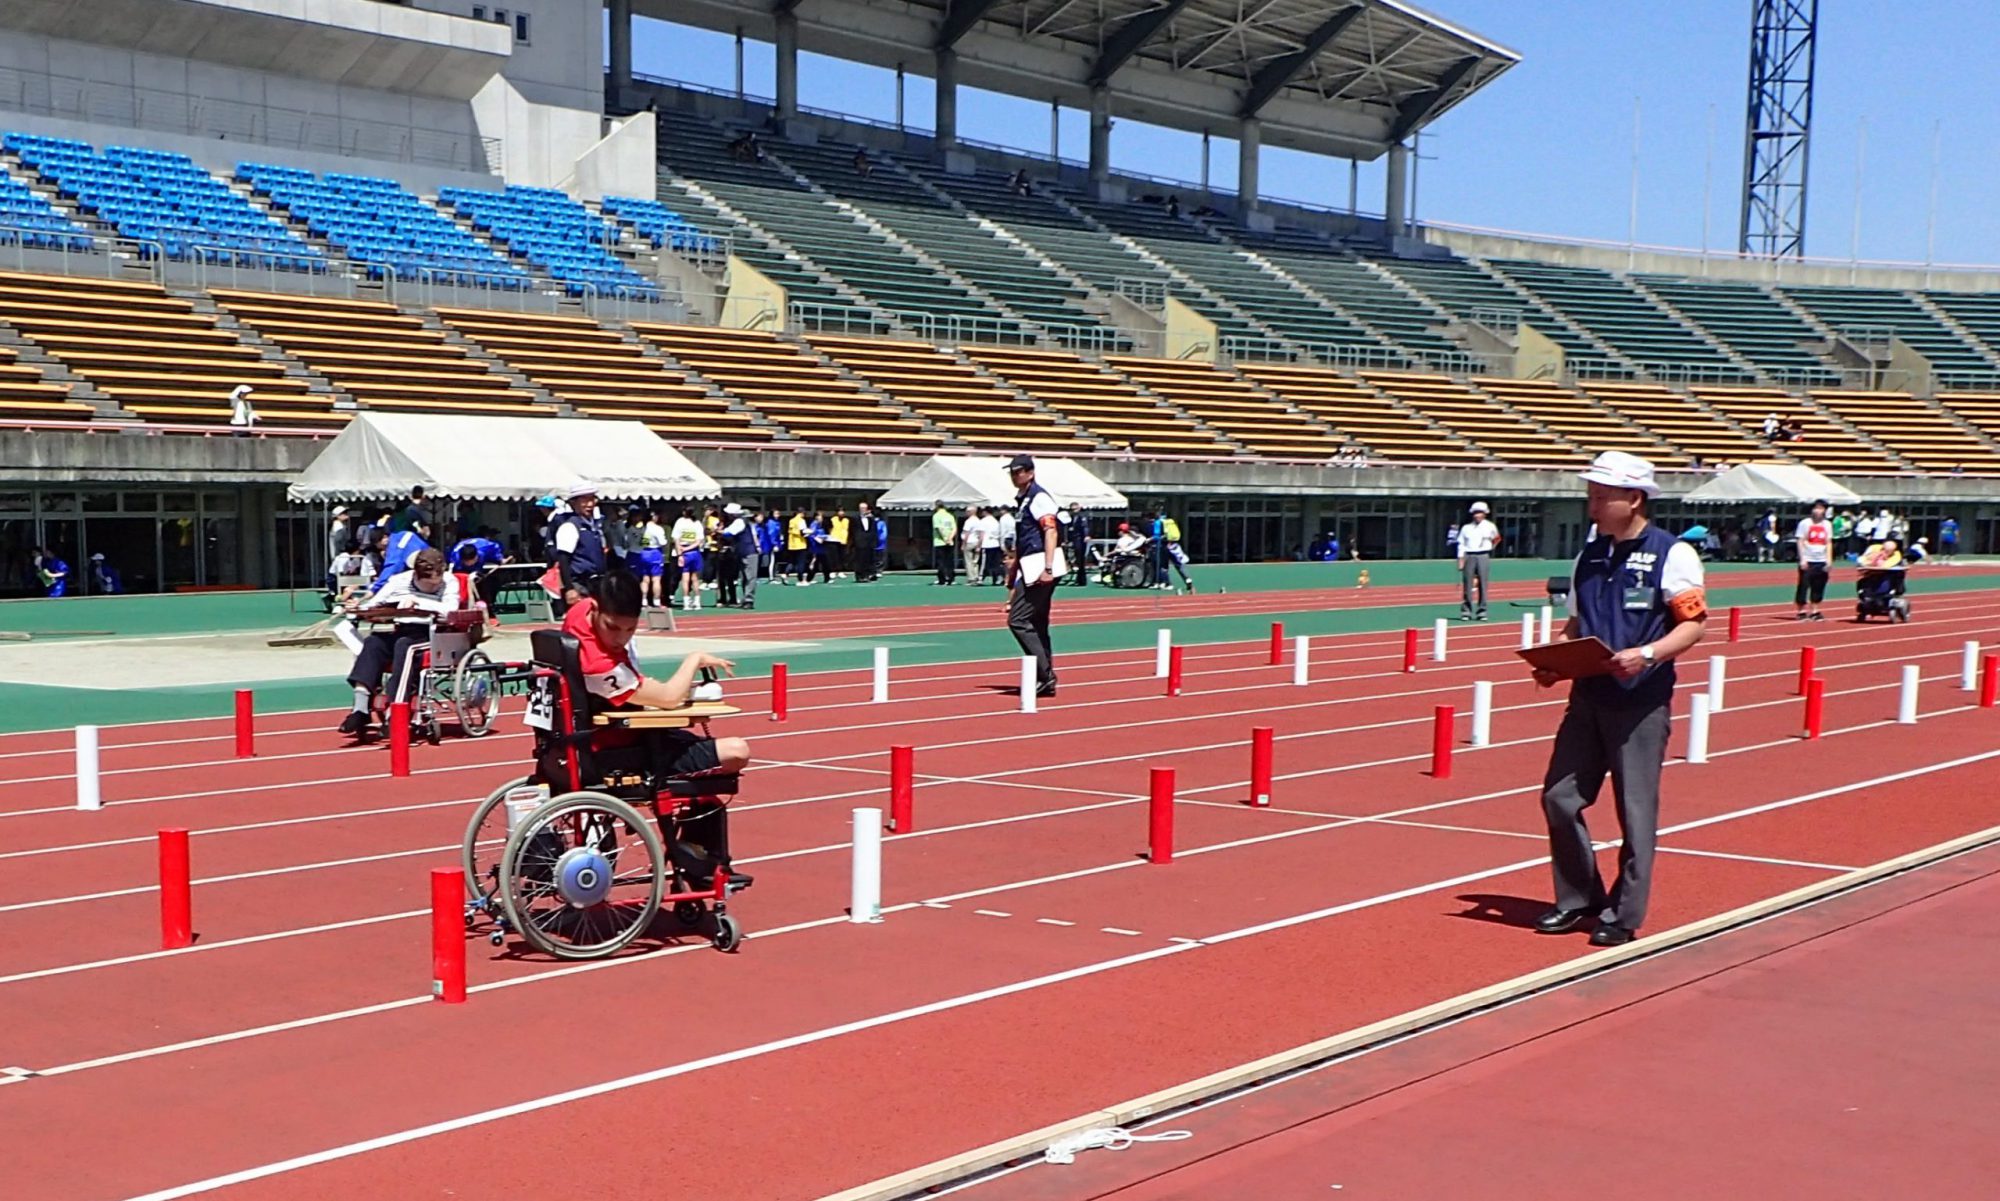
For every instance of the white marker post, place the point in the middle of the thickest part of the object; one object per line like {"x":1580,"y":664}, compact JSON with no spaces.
{"x":1968,"y":668}
{"x":865,"y":897}
{"x":1027,"y":683}
{"x":1301,"y":660}
{"x":1718,"y":676}
{"x":1548,"y":622}
{"x":87,"y":795}
{"x":1906,"y":700}
{"x":1438,"y":634}
{"x":881,"y":675}
{"x":1482,"y":712}
{"x":1527,"y":630}
{"x":1697,"y":751}
{"x":1161,"y":650}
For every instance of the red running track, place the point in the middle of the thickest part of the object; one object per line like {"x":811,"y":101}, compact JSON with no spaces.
{"x":1030,"y":967}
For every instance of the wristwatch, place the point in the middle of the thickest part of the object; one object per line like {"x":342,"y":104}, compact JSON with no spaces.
{"x":1646,"y":652}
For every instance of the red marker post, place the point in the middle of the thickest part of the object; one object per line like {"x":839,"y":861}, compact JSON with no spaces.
{"x":1808,"y":663}
{"x":399,"y":739}
{"x":1160,"y":817}
{"x":246,"y":746}
{"x":1989,"y":681}
{"x":780,"y":686}
{"x":1409,"y":650}
{"x":902,"y":789}
{"x":1735,"y":624}
{"x":1174,"y":671}
{"x":1442,"y":722}
{"x":1260,"y":765}
{"x":1277,"y":643}
{"x":176,"y":895}
{"x":1815,"y":706}
{"x":448,"y":935}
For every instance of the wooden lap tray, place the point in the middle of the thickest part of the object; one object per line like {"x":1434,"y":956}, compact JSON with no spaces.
{"x":1571,"y":660}
{"x":666,"y":719}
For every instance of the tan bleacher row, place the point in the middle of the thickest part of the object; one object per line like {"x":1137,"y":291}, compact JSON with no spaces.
{"x":1912,"y":429}
{"x":381,"y":356}
{"x":26,"y":396}
{"x":1575,"y":417}
{"x":597,"y":372}
{"x":786,"y":384}
{"x":952,"y":395}
{"x":1979,"y":409}
{"x":1354,"y":410}
{"x":151,"y":352}
{"x":1098,"y":399}
{"x":1666,"y":414}
{"x":1461,"y":409}
{"x":1826,"y":446}
{"x":1238,"y":408}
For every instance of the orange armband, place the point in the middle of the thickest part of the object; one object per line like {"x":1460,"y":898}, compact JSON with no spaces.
{"x":1691,"y":605}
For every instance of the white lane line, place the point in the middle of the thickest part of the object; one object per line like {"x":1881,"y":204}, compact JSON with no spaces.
{"x":1769,"y":859}
{"x":1053,"y":921}
{"x":992,"y":913}
{"x":1120,"y":931}
{"x":198,"y":948}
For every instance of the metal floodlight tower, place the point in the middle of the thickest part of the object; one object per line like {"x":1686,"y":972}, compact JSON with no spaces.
{"x":1778,"y":134}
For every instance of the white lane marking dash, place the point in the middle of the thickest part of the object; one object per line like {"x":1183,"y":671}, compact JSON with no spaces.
{"x":991,"y":913}
{"x":1116,"y":930}
{"x":1054,"y":921}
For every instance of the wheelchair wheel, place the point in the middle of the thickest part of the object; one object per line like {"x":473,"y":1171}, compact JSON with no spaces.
{"x":690,"y":913}
{"x":581,"y":877}
{"x":485,"y":840}
{"x":728,"y":935}
{"x":475,"y":695}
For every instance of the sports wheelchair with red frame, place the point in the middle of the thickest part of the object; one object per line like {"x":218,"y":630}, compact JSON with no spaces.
{"x":570,"y":856}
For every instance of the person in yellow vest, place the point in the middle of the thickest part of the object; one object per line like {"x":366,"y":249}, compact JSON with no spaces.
{"x":795,"y":545}
{"x":1170,"y":533}
{"x":836,"y":540}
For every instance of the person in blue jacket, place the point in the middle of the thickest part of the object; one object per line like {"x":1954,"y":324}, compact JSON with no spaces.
{"x":485,"y":552}
{"x":881,"y":548}
{"x":770,"y":540}
{"x":52,"y":572}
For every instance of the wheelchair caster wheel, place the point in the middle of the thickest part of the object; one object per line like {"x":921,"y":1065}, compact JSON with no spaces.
{"x":727,"y":933}
{"x":469,"y":919}
{"x":689,"y":913}
{"x":497,"y":938}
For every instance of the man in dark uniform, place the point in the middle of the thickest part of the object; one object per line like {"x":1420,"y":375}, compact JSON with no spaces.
{"x":1638,"y":589}
{"x":1032,"y":570}
{"x":1079,"y":544}
{"x":580,"y":551}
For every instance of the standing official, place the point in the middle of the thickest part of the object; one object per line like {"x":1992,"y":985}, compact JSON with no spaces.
{"x":581,"y":554}
{"x":944,"y":544}
{"x":1079,"y":544}
{"x":1032,"y":570}
{"x":1814,"y":539}
{"x":864,"y":543}
{"x":1476,"y":540}
{"x":1638,"y":589}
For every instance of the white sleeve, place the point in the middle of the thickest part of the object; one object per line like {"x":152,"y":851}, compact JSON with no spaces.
{"x":1799,"y":532}
{"x":1572,"y":589}
{"x":1682,"y":572}
{"x":1042,"y":506}
{"x":567,"y":538}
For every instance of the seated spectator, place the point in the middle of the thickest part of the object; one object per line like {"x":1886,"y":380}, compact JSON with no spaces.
{"x":1886,"y":553}
{"x":1772,"y":429}
{"x":1795,"y":430}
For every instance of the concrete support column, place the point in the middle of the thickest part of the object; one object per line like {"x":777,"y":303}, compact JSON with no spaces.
{"x":1249,"y":139}
{"x":947,"y":98}
{"x":1100,"y":134}
{"x":621,"y":44}
{"x":1393,"y":207}
{"x":788,"y":65}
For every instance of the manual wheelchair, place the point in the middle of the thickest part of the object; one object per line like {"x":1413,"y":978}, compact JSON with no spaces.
{"x":444,"y":679}
{"x":570,"y":856}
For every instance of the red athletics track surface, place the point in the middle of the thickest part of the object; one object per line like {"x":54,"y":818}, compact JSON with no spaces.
{"x":1839,"y":1052}
{"x":1031,"y":967}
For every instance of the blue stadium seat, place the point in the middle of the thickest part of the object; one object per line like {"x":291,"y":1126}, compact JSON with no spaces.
{"x":27,"y":218}
{"x":384,"y":227}
{"x":554,"y":233}
{"x":657,"y":224}
{"x":157,"y":196}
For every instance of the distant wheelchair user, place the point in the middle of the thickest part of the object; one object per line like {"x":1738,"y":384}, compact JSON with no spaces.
{"x":1880,"y":589}
{"x":1128,"y":565}
{"x":407,"y":602}
{"x":565,"y":855}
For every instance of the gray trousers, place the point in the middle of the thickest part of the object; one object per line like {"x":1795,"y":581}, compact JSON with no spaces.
{"x":1028,"y":618}
{"x":747,"y":594}
{"x":1630,"y":745}
{"x":1474,"y":573}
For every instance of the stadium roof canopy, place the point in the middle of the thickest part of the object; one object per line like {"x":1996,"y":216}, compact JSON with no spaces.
{"x":1341,"y":77}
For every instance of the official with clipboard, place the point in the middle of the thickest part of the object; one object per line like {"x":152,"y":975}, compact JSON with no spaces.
{"x":1637,"y":593}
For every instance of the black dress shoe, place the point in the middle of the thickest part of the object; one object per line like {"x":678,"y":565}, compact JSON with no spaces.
{"x":1561,"y":921}
{"x":1609,"y":935}
{"x":355,"y":722}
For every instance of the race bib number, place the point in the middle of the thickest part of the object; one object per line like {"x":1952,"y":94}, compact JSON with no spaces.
{"x":541,"y":714}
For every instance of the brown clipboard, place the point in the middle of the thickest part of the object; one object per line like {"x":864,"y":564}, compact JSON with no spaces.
{"x":1572,"y":660}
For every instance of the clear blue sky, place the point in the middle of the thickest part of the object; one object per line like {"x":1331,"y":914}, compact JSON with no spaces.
{"x":1548,"y":147}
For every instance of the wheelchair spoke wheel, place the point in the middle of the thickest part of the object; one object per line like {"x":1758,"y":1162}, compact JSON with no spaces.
{"x":476,"y":694}
{"x":486,"y":838}
{"x":582,"y":875}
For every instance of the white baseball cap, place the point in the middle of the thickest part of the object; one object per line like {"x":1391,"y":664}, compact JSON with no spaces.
{"x":1480,"y":506}
{"x":580,"y":488}
{"x":1616,"y":469}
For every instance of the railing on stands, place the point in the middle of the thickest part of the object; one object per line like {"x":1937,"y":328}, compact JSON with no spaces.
{"x":1352,"y":356}
{"x":1093,"y":340}
{"x":803,"y":317}
{"x":623,"y":303}
{"x":1496,"y":318}
{"x":105,"y":103}
{"x":1966,"y":381}
{"x":740,"y":313}
{"x":1588,"y":369}
{"x":429,"y":287}
{"x":1148,"y":294}
{"x":1872,"y":340}
{"x":78,"y":253}
{"x":209,"y":267}
{"x":952,"y":329}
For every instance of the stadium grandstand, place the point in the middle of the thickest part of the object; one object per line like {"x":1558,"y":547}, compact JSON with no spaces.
{"x":440,"y":206}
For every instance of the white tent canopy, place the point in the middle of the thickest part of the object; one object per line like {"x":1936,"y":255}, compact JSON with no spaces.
{"x":382,"y":455}
{"x":1770,"y":482}
{"x":961,"y":480}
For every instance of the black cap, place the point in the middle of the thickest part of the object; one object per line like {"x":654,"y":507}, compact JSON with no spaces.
{"x":1022,"y":463}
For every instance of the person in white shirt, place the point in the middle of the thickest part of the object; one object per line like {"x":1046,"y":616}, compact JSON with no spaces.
{"x":242,"y":414}
{"x":969,"y":533}
{"x":688,"y":536}
{"x":426,"y":590}
{"x":991,"y":551}
{"x":1006,"y":531}
{"x":1033,"y":567}
{"x":1476,"y":540}
{"x":1814,"y":538}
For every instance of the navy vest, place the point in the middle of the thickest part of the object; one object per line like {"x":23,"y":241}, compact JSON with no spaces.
{"x":1606,"y":574}
{"x":1028,"y":527}
{"x":588,"y":558}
